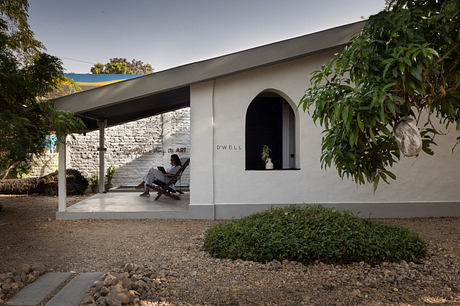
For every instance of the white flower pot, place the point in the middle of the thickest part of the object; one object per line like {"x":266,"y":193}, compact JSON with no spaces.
{"x":269,"y":164}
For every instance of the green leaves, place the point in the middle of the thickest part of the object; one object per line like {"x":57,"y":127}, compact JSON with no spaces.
{"x":25,"y":116}
{"x":404,"y":61}
{"x":122,"y":66}
{"x":310,"y":233}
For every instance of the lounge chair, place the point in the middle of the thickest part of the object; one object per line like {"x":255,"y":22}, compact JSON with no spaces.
{"x":163,"y":188}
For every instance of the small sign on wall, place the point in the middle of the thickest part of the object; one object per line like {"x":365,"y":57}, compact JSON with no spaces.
{"x":177,"y":150}
{"x":229,"y":147}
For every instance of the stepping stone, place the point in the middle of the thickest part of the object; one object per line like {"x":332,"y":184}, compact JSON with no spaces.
{"x":36,"y":292}
{"x":75,"y":290}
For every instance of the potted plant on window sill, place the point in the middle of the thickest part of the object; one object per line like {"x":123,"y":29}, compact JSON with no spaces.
{"x":266,"y":157}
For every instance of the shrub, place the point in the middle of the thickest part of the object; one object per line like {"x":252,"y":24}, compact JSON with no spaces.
{"x":76,"y":183}
{"x":19,"y":186}
{"x":45,"y":185}
{"x":311,"y":233}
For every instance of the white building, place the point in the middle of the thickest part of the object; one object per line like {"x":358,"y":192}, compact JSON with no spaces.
{"x":241,"y":101}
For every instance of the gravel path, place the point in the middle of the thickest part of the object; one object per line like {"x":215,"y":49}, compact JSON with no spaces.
{"x":171,"y":257}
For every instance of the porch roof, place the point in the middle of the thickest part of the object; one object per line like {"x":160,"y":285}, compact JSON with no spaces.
{"x":169,"y":90}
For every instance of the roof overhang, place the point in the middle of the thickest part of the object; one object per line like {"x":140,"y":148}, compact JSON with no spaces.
{"x":170,"y":89}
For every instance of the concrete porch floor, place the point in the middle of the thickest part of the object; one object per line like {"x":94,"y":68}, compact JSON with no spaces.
{"x":127,"y":205}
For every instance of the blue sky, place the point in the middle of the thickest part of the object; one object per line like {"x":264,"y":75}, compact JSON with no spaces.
{"x":170,"y":33}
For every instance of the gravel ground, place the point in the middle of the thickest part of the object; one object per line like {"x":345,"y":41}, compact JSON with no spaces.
{"x":170,"y":254}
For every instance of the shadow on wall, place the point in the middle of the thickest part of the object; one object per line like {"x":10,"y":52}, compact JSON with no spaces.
{"x":175,"y":139}
{"x":44,"y":164}
{"x":131,"y":173}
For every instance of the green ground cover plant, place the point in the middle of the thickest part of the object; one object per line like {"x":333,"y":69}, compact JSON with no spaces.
{"x":310,"y":233}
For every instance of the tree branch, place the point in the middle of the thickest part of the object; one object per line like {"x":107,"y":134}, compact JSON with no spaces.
{"x":7,"y":171}
{"x":448,"y":52}
{"x":455,"y":87}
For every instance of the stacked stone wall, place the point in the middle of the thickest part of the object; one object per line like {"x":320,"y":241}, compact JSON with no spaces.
{"x":132,"y":148}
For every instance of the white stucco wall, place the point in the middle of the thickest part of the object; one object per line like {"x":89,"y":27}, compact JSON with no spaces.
{"x":218,"y":111}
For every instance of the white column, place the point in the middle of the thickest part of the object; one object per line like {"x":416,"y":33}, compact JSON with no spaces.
{"x":202,"y":141}
{"x":102,"y":125}
{"x":62,"y":188}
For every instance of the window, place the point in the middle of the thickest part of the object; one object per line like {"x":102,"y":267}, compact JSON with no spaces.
{"x":270,"y":121}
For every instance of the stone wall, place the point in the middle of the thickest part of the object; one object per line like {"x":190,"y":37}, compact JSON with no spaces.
{"x":132,"y":148}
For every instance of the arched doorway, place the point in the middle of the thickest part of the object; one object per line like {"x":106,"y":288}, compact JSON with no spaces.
{"x":270,"y":120}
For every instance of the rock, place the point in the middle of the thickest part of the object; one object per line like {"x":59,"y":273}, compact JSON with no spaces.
{"x":100,"y":301}
{"x":98,"y":285}
{"x":124,"y":297}
{"x":139,"y":284}
{"x":30,"y":278}
{"x":109,"y":280}
{"x":87,"y":300}
{"x":23,"y":276}
{"x":127,"y":283}
{"x":14,"y":287}
{"x":104,"y":290}
{"x":404,"y":264}
{"x":26,"y":268}
{"x":39,"y":267}
{"x":129,"y":267}
{"x":113,"y":299}
{"x":36,"y":274}
{"x":17,"y":279}
{"x":133,"y":293}
{"x":117,"y":288}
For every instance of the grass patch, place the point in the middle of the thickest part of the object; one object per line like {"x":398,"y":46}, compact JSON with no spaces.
{"x":310,"y":233}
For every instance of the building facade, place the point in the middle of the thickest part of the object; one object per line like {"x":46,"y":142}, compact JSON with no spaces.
{"x":245,"y":100}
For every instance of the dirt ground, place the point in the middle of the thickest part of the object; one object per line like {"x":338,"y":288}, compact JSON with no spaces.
{"x":172,"y":251}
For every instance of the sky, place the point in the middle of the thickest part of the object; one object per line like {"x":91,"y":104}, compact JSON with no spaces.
{"x":170,"y":33}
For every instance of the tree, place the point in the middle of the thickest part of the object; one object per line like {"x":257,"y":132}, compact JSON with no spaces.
{"x":403,"y":65}
{"x":27,"y":75}
{"x":64,"y":86}
{"x":122,"y":66}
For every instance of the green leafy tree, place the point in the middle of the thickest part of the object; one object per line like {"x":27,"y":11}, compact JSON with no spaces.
{"x":64,"y":86}
{"x":27,"y":75}
{"x":404,"y":63}
{"x":122,"y":66}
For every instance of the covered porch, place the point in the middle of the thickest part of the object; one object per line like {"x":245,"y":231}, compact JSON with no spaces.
{"x":129,"y":205}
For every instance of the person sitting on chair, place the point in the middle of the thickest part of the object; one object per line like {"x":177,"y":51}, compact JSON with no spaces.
{"x":155,"y":174}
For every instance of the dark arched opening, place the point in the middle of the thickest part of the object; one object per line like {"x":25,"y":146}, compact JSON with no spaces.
{"x":270,"y":121}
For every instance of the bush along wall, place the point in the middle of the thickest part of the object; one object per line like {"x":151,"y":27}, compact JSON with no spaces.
{"x":45,"y":185}
{"x":310,"y":233}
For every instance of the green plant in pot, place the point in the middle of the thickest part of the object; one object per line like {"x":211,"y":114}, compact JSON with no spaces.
{"x":94,"y":182}
{"x":266,"y":157}
{"x":109,"y":176}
